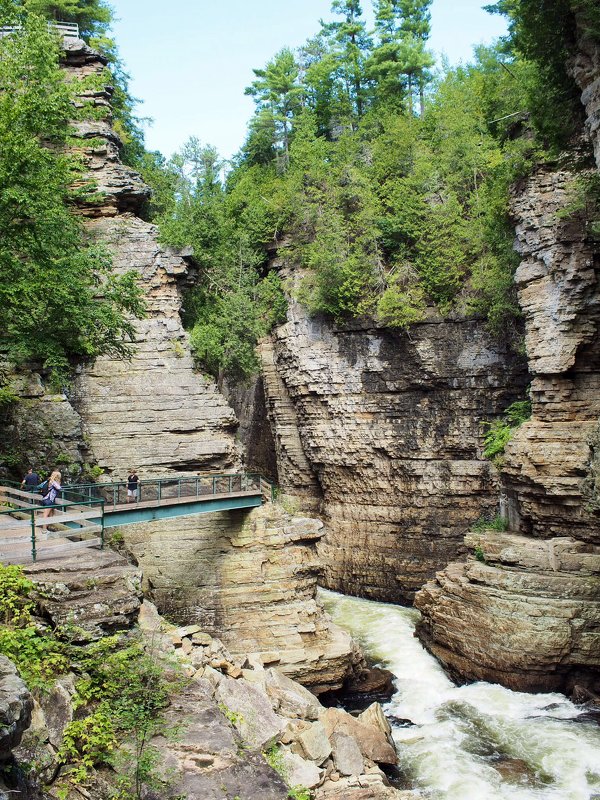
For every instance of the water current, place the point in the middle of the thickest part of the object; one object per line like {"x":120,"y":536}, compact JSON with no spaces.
{"x":474,"y":742}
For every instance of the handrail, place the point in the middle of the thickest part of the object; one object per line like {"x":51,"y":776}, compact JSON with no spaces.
{"x":85,"y":509}
{"x":69,"y":30}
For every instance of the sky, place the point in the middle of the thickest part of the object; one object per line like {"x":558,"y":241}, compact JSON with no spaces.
{"x":190,"y":60}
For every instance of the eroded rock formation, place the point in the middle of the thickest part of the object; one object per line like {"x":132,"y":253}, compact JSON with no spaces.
{"x":386,"y":428}
{"x":251,"y":580}
{"x":154,"y":412}
{"x":529,"y":616}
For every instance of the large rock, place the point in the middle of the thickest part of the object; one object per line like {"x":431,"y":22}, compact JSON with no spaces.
{"x":250,"y":711}
{"x":315,"y":743}
{"x":300,"y":772}
{"x":207,"y":760}
{"x":383,"y":431}
{"x":16,"y":705}
{"x":251,"y":580}
{"x":90,"y":593}
{"x":347,"y":757}
{"x":372,"y":741}
{"x":527,"y":617}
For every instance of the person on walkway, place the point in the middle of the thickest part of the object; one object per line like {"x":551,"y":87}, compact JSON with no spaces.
{"x":30,"y":481}
{"x":52,"y":490}
{"x":132,"y":487}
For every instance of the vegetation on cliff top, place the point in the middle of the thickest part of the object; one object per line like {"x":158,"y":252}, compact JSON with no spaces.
{"x":388,"y":184}
{"x":59,"y":300}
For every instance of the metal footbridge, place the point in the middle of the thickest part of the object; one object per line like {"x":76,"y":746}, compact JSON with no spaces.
{"x":82,"y":512}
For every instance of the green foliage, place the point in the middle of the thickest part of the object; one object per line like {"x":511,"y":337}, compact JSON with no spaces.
{"x":500,"y":431}
{"x":15,"y":603}
{"x":38,"y":656}
{"x":58,"y":297}
{"x":545,"y":34}
{"x":497,"y":523}
{"x":7,"y":397}
{"x":479,"y":554}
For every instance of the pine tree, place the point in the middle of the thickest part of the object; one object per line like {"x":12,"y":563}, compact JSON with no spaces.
{"x":352,"y":48}
{"x":277,"y":91}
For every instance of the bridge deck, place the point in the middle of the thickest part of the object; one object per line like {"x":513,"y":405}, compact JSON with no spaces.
{"x":81,"y":514}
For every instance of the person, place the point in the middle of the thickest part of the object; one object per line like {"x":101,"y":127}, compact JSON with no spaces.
{"x":52,"y":490}
{"x":132,"y":486}
{"x":30,"y":481}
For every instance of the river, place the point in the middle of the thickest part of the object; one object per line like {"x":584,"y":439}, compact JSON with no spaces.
{"x":475,"y":742}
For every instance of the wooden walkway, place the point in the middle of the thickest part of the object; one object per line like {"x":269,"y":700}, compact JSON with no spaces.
{"x":25,"y":535}
{"x":82,"y":512}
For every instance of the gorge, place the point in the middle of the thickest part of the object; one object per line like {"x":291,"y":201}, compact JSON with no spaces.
{"x":373,"y":427}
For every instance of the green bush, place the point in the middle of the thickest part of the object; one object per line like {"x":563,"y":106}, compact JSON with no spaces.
{"x":500,"y":431}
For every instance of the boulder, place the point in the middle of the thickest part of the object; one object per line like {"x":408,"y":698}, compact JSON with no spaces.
{"x":371,"y":740}
{"x":300,"y":772}
{"x":290,"y":699}
{"x":249,"y":709}
{"x":347,"y":757}
{"x":315,"y":743}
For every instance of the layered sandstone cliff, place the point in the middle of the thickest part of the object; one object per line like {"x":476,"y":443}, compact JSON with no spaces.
{"x":154,"y":412}
{"x":383,"y":430}
{"x":529,"y":615}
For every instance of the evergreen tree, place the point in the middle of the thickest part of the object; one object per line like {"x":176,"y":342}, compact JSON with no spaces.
{"x":58,"y":298}
{"x":277,"y":92}
{"x":352,"y":45}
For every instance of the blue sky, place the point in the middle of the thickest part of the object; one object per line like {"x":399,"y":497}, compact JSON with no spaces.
{"x":190,"y":60}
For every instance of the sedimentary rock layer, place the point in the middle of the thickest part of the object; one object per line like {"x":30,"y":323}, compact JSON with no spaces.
{"x":250,"y":579}
{"x":529,"y":617}
{"x":585,"y":68}
{"x":154,"y":412}
{"x":389,"y":427}
{"x":525,"y":615}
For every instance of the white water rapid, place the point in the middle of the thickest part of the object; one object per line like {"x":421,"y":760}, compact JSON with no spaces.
{"x":476,"y":742}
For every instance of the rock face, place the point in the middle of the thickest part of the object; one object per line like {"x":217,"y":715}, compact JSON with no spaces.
{"x":384,"y":430}
{"x":154,"y":412}
{"x":250,"y":579}
{"x":92,"y":594}
{"x":16,"y":705}
{"x":529,"y":616}
{"x":585,"y":68}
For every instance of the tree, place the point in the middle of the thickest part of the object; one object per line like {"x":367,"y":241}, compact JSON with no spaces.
{"x":92,"y":16}
{"x":278,"y":92}
{"x":351,"y":49}
{"x":58,"y":298}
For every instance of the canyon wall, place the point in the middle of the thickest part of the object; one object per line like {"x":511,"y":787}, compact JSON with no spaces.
{"x":526,"y":611}
{"x":154,"y":412}
{"x":383,"y":431}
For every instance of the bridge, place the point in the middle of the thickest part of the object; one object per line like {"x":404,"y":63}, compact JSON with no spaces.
{"x":82,"y":512}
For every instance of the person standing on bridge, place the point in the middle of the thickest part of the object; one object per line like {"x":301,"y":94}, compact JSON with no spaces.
{"x":52,"y":490}
{"x":30,"y":481}
{"x":132,"y":486}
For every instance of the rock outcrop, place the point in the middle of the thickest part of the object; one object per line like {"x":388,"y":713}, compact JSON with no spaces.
{"x":16,"y":705}
{"x":384,"y":430}
{"x":154,"y":412}
{"x":250,"y":579}
{"x":529,"y":616}
{"x":585,"y":68}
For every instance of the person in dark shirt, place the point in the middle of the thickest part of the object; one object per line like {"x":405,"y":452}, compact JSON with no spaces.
{"x":30,"y":481}
{"x":132,"y":487}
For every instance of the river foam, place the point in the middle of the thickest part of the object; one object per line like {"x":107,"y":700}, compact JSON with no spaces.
{"x":474,"y":742}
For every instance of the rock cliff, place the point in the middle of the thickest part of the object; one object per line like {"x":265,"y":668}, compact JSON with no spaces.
{"x":383,"y":431}
{"x":251,"y":580}
{"x":154,"y":412}
{"x":528,"y":617}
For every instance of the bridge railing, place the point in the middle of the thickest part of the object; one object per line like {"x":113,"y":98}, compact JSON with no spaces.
{"x":158,"y":491}
{"x":21,"y":516}
{"x":69,"y":30}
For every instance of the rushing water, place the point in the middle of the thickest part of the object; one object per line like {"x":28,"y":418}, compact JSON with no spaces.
{"x":476,"y":742}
